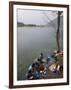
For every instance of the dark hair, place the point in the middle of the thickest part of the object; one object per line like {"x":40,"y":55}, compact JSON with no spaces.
{"x":29,"y":71}
{"x":39,"y":59}
{"x":41,"y":53}
{"x":33,"y":64}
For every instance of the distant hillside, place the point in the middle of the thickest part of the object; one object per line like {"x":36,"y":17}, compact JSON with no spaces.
{"x":20,"y":24}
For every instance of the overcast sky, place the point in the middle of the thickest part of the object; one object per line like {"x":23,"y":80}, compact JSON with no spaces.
{"x":35,"y":16}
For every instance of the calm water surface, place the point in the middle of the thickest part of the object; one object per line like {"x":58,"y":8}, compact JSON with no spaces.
{"x":31,"y":41}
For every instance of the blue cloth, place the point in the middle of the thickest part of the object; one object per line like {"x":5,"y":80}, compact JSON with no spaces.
{"x":50,"y":59}
{"x":36,"y":75}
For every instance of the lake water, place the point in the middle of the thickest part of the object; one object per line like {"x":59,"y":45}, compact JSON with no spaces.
{"x":31,"y":41}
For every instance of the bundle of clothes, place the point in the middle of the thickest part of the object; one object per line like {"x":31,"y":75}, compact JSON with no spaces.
{"x":39,"y":68}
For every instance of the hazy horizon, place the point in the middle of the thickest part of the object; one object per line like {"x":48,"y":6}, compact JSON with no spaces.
{"x":37,"y":17}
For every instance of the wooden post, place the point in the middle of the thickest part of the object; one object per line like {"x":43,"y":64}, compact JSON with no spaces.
{"x":58,"y":32}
